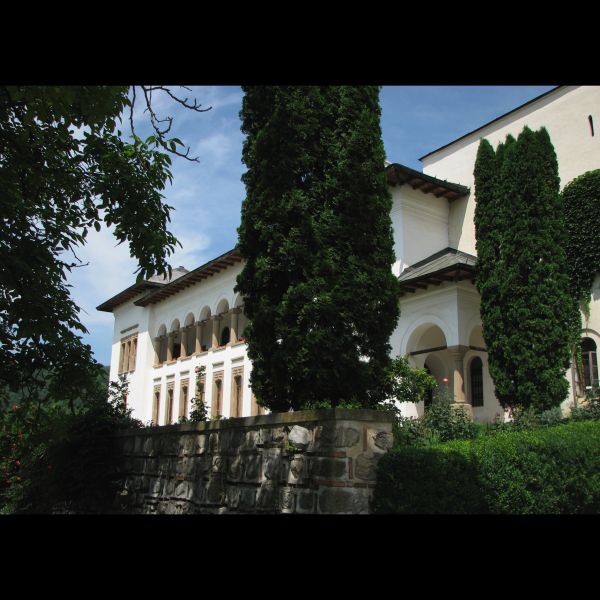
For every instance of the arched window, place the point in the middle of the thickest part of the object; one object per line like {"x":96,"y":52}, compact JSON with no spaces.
{"x":224,"y":336}
{"x":476,"y":382}
{"x":590,"y":363}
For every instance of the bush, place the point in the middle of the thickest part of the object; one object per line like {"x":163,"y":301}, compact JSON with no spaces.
{"x":426,"y":481}
{"x":550,"y":470}
{"x":446,"y":422}
{"x":590,"y":410}
{"x":69,"y":462}
{"x":440,"y":423}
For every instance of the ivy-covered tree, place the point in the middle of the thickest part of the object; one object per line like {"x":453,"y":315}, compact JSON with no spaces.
{"x":65,"y":167}
{"x":581,"y":198}
{"x":529,"y":317}
{"x":317,"y":238}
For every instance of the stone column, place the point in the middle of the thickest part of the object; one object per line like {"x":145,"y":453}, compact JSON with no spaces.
{"x":157,"y":345}
{"x":233,"y":336}
{"x":216,"y":319}
{"x":199,"y":331}
{"x":170,"y":342}
{"x":184,"y":334}
{"x":458,"y":384}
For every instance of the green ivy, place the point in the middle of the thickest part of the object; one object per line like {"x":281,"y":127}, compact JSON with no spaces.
{"x":581,"y":199}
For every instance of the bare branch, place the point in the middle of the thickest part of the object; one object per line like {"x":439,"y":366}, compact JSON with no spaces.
{"x":131,"y":111}
{"x":156,"y":122}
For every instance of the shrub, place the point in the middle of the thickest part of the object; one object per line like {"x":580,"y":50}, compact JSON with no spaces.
{"x":529,"y":419}
{"x":584,"y":412}
{"x":440,"y":423}
{"x":427,"y":481}
{"x":549,"y":470}
{"x":445,"y":422}
{"x":70,"y":461}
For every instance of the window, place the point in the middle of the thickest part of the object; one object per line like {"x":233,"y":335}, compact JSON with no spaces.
{"x":236,"y":392}
{"x":183,"y":398}
{"x":169,"y":407}
{"x":589,"y":357}
{"x":203,"y":392}
{"x":217,"y":396}
{"x":476,"y":382}
{"x":128,"y":354}
{"x":156,"y":405}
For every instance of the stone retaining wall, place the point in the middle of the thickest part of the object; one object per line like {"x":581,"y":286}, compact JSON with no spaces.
{"x":320,"y":461}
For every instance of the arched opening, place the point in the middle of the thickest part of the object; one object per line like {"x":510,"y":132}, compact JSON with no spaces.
{"x":175,"y":341}
{"x":190,"y":334}
{"x":589,"y":355}
{"x":160,"y":344}
{"x":242,"y":320}
{"x":476,"y":381}
{"x":428,"y":343}
{"x":429,"y":397}
{"x":476,"y":340}
{"x":205,"y":341}
{"x":435,"y":366}
{"x":222,"y":307}
{"x":225,"y":334}
{"x":431,"y":339}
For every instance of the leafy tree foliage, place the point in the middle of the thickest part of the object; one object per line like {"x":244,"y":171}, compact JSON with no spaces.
{"x":529,"y":317}
{"x":581,"y":199}
{"x":317,"y":238}
{"x":65,"y":168}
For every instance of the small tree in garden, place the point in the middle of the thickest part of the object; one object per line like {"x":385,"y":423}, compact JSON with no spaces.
{"x":199,"y":412}
{"x":408,"y":384}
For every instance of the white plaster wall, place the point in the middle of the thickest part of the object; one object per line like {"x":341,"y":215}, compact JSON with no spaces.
{"x":564,"y":112}
{"x":454,"y":308}
{"x":207,"y":293}
{"x":420,"y":225}
{"x":126,"y":316}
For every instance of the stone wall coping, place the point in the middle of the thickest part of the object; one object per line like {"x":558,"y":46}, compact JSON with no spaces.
{"x":274,"y":419}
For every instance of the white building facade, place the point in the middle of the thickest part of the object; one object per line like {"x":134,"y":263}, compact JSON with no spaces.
{"x":165,"y":331}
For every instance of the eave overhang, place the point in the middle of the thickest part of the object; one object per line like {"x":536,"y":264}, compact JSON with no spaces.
{"x":447,"y":266}
{"x":401,"y":175}
{"x":131,"y":292}
{"x":216,"y":265}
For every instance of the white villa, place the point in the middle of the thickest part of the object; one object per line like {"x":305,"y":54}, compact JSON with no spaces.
{"x":164,"y":330}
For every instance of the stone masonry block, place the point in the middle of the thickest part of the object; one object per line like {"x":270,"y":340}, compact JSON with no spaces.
{"x":305,"y":502}
{"x":252,"y":468}
{"x":343,"y":501}
{"x":329,"y":468}
{"x":300,"y":437}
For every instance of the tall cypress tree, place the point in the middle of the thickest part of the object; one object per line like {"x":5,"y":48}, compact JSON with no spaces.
{"x":317,"y":239}
{"x":528,"y":315}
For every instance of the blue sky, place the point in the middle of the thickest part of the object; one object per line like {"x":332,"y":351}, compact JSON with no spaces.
{"x":207,"y":196}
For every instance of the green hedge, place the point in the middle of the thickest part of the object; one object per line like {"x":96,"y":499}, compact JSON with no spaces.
{"x":555,"y":470}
